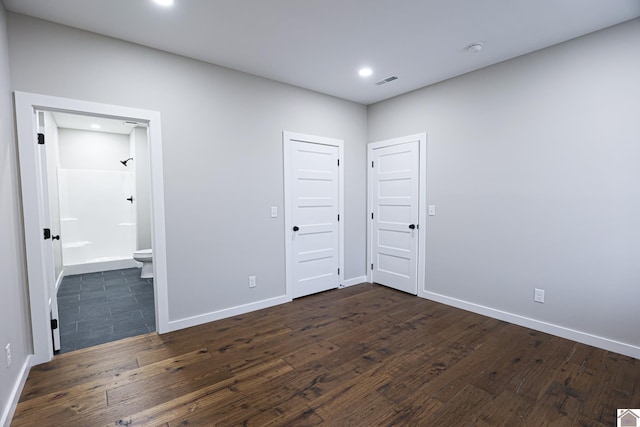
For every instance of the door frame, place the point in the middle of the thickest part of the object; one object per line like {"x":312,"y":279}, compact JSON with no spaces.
{"x":422,"y":204}
{"x":26,"y":105}
{"x":287,"y":139}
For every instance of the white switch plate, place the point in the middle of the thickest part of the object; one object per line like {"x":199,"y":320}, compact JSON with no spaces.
{"x":432,"y":210}
{"x":252,"y":281}
{"x":538,"y":295}
{"x":274,"y":211}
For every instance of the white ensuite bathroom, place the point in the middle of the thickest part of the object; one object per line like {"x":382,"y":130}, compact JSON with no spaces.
{"x":99,"y":187}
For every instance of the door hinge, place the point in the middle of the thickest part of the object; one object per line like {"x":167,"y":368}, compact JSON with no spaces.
{"x":372,"y":266}
{"x":371,"y":215}
{"x":372,"y":163}
{"x":338,"y":162}
{"x":54,"y":323}
{"x":338,"y":218}
{"x":41,"y":138}
{"x":47,"y":233}
{"x":338,"y":272}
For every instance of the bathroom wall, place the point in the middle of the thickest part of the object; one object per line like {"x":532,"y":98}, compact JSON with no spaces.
{"x":98,"y":223}
{"x":15,"y":326}
{"x":533,"y":168}
{"x":140,"y":153}
{"x":81,"y":149}
{"x":222,"y":148}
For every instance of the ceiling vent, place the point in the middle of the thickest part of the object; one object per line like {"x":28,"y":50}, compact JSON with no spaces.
{"x":387,"y":80}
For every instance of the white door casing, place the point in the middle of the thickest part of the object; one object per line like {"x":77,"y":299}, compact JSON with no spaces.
{"x":396,"y":194}
{"x":26,"y":126}
{"x":313,"y":213}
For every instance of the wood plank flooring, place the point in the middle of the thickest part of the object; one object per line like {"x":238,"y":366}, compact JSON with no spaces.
{"x":361,"y":356}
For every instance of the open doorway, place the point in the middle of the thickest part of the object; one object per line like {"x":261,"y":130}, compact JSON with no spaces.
{"x":45,"y":256}
{"x":98,"y":185}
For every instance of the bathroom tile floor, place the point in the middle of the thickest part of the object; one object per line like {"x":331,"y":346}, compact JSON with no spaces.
{"x":101,"y":307}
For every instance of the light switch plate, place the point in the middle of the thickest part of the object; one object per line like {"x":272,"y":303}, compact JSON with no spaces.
{"x":274,"y":211}
{"x":432,"y":210}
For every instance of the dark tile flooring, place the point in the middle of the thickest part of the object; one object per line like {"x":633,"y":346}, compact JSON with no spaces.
{"x":96,"y":308}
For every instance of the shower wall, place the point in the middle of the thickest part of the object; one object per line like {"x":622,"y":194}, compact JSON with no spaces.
{"x":98,"y":223}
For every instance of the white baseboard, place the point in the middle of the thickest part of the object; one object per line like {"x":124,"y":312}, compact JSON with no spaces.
{"x":14,"y":397}
{"x":538,"y":325}
{"x":354,"y":281}
{"x":227,"y":312}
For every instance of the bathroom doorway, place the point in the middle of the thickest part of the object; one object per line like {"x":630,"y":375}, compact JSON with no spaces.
{"x":115,"y":266}
{"x":100,"y":213}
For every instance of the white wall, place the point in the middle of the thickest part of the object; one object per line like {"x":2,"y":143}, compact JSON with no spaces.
{"x":533,"y":165}
{"x":83,"y":149}
{"x":140,"y":152}
{"x":15,"y":327}
{"x":222,"y":148}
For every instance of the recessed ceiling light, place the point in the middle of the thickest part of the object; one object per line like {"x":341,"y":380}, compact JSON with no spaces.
{"x":165,"y":3}
{"x":95,"y":126}
{"x":365,"y":72}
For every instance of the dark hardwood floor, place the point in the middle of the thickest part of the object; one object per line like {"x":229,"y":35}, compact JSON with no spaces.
{"x":361,"y":356}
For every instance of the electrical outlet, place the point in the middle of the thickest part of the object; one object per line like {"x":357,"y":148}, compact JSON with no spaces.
{"x":252,"y":281}
{"x":8,"y":350}
{"x":538,"y":295}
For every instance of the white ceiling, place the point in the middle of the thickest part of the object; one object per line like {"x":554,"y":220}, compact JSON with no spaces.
{"x":321,"y":44}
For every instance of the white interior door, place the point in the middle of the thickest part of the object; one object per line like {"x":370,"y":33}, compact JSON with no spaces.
{"x":313,"y":213}
{"x":394,"y":191}
{"x":47,"y":242}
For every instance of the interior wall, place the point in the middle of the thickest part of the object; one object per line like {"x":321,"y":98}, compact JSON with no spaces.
{"x":533,"y":168}
{"x":83,"y":149}
{"x":222,"y":148}
{"x":15,"y":327}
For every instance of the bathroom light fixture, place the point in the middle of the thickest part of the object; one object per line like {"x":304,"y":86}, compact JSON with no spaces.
{"x":365,"y":72}
{"x":474,"y":47}
{"x":165,"y":3}
{"x":95,"y":126}
{"x":124,"y":162}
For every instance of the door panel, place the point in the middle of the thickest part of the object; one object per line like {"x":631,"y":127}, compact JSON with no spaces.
{"x":47,"y":245}
{"x":315,"y":208}
{"x":395,"y":187}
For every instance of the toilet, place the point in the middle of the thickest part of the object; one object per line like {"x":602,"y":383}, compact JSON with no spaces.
{"x":146,"y":258}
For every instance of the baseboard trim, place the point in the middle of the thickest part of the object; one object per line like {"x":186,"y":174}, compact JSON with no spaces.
{"x":14,"y":397}
{"x":538,"y":325}
{"x":354,"y":281}
{"x":227,"y":312}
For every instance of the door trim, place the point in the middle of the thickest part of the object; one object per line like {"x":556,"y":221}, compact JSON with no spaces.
{"x":287,"y":139}
{"x":422,"y":204}
{"x":26,"y":104}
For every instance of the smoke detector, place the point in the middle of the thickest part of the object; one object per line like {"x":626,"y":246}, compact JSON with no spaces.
{"x":474,"y":47}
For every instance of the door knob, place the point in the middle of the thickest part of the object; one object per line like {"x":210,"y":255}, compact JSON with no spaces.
{"x":55,"y":237}
{"x":296,"y":228}
{"x":412,"y":226}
